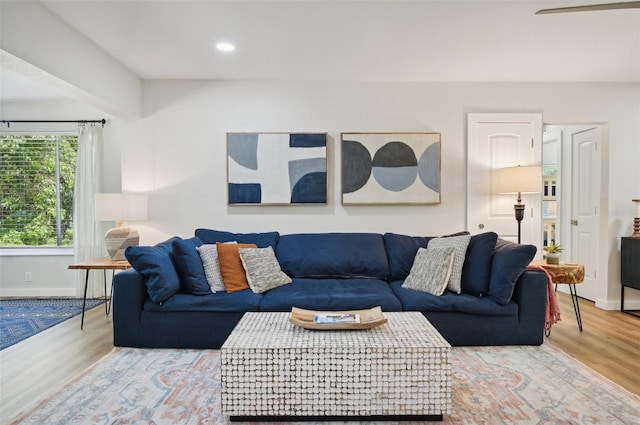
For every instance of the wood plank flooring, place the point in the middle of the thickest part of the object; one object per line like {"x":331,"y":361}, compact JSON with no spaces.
{"x":36,"y":368}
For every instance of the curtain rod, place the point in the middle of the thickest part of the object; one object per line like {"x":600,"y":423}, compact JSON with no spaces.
{"x":102,"y":121}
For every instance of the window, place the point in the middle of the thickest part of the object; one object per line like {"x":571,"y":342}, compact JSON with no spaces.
{"x":37,"y":175}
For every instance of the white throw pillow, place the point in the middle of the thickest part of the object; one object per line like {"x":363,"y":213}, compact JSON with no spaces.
{"x":262,"y":269}
{"x":460,"y":243}
{"x":209,"y":256}
{"x":431,"y":270}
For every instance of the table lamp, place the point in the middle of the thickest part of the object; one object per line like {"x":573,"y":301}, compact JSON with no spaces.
{"x":121,"y":207}
{"x":519,"y":180}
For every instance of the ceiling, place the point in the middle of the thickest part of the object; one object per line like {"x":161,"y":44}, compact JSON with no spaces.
{"x":359,"y":40}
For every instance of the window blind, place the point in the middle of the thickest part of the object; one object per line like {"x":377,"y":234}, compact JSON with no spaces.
{"x":37,"y":175}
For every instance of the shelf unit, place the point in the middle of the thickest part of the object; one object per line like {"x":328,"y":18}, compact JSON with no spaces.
{"x":550,"y":192}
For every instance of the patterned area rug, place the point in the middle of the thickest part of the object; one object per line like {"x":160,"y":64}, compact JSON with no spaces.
{"x":491,"y":385}
{"x":20,"y":319}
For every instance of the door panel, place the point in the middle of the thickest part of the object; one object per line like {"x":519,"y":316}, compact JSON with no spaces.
{"x":495,"y":141}
{"x":585,"y":208}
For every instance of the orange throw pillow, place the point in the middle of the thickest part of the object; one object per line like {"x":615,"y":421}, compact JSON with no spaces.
{"x":231,"y":269}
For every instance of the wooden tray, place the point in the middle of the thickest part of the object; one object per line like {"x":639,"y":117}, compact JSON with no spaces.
{"x":370,"y":318}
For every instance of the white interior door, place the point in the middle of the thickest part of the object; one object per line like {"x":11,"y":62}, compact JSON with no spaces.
{"x":495,"y":141}
{"x":585,"y":206}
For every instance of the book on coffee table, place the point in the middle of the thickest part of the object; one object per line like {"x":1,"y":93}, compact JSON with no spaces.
{"x":336,"y":318}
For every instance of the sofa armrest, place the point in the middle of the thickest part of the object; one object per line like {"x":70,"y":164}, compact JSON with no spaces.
{"x":530,"y":293}
{"x":129,"y":296}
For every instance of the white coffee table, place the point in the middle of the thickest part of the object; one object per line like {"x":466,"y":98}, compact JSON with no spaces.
{"x":272,"y":369}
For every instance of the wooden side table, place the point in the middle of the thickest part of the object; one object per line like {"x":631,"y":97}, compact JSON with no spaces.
{"x":569,"y":274}
{"x":104,"y":264}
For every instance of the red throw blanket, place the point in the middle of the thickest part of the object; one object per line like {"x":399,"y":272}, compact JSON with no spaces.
{"x":552,"y":314}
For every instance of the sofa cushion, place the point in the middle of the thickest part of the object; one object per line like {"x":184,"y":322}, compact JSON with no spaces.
{"x":476,"y":271}
{"x":157,"y":265}
{"x":262,"y":269}
{"x":401,"y":251}
{"x":231,"y":269}
{"x":238,"y":302}
{"x":209,"y":257}
{"x":431,"y":270}
{"x":331,"y":295}
{"x":509,"y":262}
{"x":460,"y":243}
{"x":412,"y":300}
{"x":337,"y":255}
{"x":262,"y":240}
{"x":189,"y":266}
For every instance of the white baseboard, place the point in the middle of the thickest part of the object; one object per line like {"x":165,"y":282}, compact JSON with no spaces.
{"x":38,"y":292}
{"x":615,"y":304}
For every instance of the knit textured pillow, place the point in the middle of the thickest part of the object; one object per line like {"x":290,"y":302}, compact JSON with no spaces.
{"x":431,"y":270}
{"x":262,"y":269}
{"x":209,"y":256}
{"x":460,"y":243}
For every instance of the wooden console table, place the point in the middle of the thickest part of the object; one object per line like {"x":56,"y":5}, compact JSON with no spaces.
{"x":104,"y":264}
{"x":569,"y":274}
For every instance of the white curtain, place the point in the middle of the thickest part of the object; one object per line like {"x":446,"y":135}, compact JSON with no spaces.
{"x":88,"y":240}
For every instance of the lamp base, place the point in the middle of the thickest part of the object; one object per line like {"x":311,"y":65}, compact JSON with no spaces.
{"x":118,"y":239}
{"x":519,"y":210}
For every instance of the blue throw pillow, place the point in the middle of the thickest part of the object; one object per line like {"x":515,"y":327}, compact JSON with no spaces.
{"x":189,"y":266}
{"x":509,"y":262}
{"x":262,"y":240}
{"x":156,"y":264}
{"x":401,"y":251}
{"x":476,"y":272}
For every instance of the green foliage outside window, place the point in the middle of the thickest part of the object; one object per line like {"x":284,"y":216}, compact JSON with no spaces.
{"x":37,"y":176}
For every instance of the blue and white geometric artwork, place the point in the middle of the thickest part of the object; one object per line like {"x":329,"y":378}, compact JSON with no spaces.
{"x":390,"y":168}
{"x":277,"y":168}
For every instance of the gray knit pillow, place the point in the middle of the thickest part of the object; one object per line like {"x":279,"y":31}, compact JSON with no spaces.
{"x":209,"y":256}
{"x":460,"y":243}
{"x":431,"y":270}
{"x":262,"y":269}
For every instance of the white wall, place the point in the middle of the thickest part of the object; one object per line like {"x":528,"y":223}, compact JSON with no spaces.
{"x":177,"y":151}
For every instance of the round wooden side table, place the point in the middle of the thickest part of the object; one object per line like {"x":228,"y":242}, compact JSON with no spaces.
{"x":568,"y":274}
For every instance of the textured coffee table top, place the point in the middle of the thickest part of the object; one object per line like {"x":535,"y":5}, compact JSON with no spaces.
{"x":274,"y":331}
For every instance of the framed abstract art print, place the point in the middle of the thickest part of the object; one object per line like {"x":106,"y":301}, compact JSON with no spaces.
{"x":390,"y":168}
{"x":277,"y":168}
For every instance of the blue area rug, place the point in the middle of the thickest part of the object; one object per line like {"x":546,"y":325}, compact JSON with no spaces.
{"x":20,"y":319}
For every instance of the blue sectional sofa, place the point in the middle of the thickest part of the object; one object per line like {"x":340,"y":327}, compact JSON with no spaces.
{"x":155,"y":303}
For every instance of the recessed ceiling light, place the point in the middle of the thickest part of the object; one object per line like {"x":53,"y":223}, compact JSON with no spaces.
{"x":225,"y":47}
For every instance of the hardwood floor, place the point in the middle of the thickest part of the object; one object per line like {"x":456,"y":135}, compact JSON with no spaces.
{"x":36,"y":368}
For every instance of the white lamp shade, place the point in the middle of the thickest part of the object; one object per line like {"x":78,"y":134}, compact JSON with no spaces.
{"x":519,"y":179}
{"x":121,"y":207}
